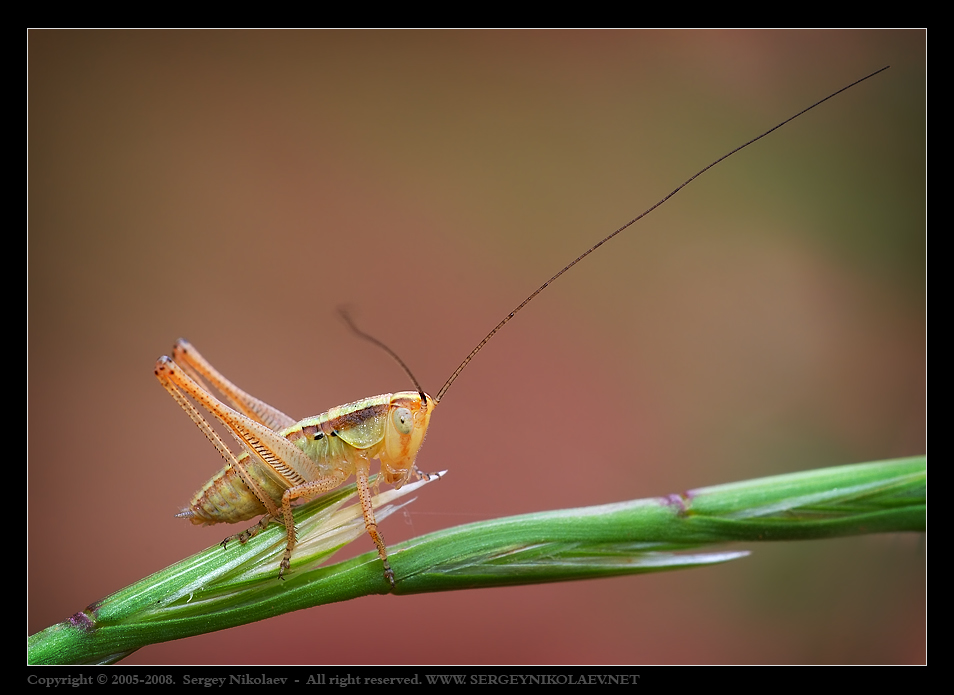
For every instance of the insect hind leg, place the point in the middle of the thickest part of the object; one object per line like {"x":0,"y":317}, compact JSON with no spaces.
{"x":196,"y":366}
{"x":250,"y":532}
{"x":177,"y":383}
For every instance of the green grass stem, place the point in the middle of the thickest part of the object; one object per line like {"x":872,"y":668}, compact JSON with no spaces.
{"x":218,"y":589}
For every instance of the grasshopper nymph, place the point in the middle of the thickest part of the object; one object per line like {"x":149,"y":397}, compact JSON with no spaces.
{"x":283,"y":460}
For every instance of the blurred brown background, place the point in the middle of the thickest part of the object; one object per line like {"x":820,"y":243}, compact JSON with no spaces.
{"x":235,"y":187}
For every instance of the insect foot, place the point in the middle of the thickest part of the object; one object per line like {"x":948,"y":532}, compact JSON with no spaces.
{"x":247,"y":534}
{"x":421,"y":475}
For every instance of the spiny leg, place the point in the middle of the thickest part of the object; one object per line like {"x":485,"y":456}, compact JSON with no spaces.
{"x":362,"y":465}
{"x":186,"y":356}
{"x":362,"y":468}
{"x":286,"y":461}
{"x":306,"y":490}
{"x":175,"y":381}
{"x":248,"y":533}
{"x":270,"y":449}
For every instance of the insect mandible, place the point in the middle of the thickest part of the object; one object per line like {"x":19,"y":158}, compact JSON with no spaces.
{"x":284,"y":460}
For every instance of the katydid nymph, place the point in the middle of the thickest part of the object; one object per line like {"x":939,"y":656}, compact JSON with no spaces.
{"x":284,"y":460}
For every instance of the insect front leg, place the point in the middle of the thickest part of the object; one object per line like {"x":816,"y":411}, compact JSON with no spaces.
{"x":361,"y":463}
{"x":399,"y":478}
{"x":421,"y":475}
{"x":361,"y":473}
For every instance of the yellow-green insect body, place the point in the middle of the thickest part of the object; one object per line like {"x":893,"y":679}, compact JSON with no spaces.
{"x":390,"y":427}
{"x":283,"y":461}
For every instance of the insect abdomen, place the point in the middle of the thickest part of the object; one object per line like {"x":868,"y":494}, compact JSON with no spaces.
{"x":226,"y":499}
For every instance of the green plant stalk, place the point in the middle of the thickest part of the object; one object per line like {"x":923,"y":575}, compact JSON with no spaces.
{"x":215,"y":590}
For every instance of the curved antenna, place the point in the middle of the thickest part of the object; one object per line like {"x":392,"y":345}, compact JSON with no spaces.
{"x":346,"y":316}
{"x":453,"y":377}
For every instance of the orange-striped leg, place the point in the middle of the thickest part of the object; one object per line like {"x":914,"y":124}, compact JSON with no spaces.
{"x":306,"y":490}
{"x":362,"y":469}
{"x":187,"y":357}
{"x":175,"y":381}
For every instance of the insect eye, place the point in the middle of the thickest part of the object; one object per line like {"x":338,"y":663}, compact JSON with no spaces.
{"x":402,"y":420}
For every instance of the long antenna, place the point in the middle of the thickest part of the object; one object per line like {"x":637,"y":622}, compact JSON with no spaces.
{"x":453,"y":377}
{"x":346,"y":317}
